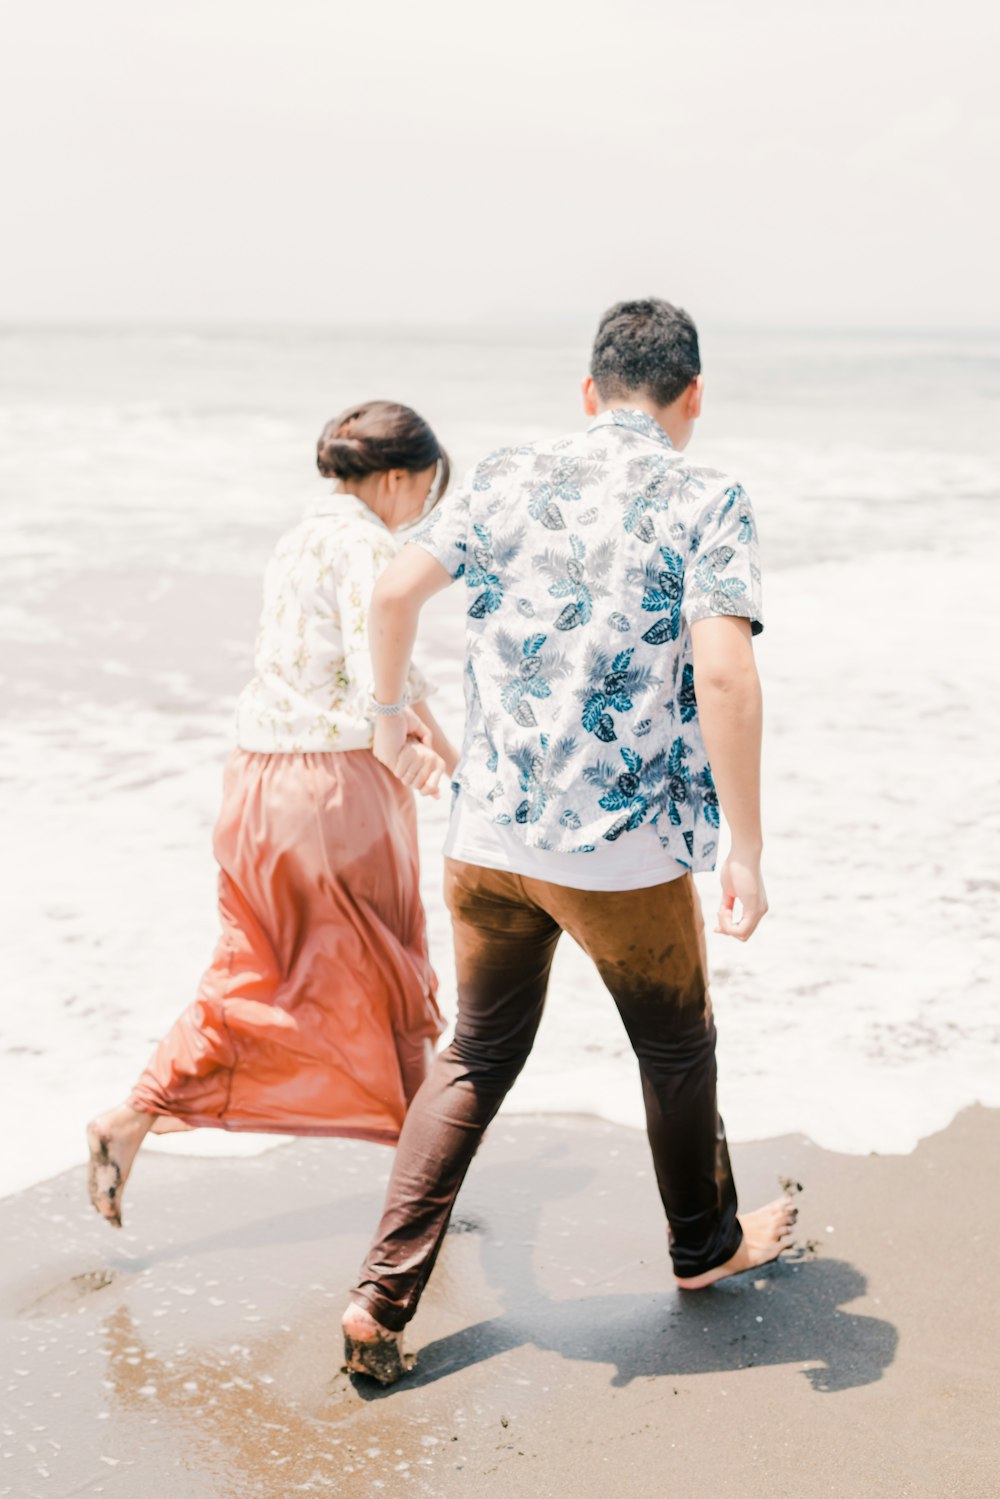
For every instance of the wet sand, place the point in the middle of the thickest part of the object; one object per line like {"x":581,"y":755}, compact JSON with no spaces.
{"x":197,"y":1354}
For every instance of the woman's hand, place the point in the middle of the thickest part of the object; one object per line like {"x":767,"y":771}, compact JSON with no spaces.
{"x":402,"y":745}
{"x":437,"y":738}
{"x":416,"y":728}
{"x":450,"y":755}
{"x":420,"y":767}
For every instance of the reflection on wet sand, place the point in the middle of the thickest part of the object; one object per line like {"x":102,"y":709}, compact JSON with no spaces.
{"x":203,"y":1360}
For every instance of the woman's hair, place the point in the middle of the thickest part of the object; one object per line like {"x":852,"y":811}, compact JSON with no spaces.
{"x":375,"y":437}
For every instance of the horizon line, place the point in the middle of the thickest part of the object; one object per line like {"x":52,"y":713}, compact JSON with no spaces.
{"x":469,"y":329}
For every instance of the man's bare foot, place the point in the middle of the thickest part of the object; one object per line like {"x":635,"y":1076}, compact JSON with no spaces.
{"x":113,"y":1140}
{"x":372,"y":1349}
{"x":766,"y":1234}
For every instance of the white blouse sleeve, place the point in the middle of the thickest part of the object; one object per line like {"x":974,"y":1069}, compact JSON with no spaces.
{"x":359,"y":564}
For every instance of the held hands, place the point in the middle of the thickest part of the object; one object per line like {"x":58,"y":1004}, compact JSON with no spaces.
{"x":403,"y":745}
{"x":741,"y":881}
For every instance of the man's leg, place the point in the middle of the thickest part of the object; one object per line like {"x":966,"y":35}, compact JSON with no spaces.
{"x":649,"y":948}
{"x":504,"y":946}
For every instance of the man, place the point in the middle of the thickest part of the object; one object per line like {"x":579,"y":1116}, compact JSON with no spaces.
{"x":612,"y":706}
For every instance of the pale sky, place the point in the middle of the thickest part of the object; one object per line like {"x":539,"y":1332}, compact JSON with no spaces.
{"x":313,"y":161}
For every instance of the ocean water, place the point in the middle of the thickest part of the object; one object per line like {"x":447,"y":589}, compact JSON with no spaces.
{"x":144,"y":478}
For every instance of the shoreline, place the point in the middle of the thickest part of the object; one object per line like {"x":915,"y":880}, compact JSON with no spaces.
{"x":206,"y":1143}
{"x":113,"y":805}
{"x":197,"y":1351}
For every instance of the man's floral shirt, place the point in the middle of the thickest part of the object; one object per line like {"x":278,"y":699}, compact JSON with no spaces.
{"x":586,"y":561}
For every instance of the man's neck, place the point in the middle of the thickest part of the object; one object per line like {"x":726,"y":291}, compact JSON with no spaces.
{"x":668,"y":417}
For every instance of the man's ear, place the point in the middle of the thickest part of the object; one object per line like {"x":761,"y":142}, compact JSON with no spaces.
{"x":589,"y":390}
{"x":694,"y":393}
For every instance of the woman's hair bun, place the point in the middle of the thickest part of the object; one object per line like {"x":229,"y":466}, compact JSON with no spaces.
{"x":375,"y":437}
{"x":342,"y":457}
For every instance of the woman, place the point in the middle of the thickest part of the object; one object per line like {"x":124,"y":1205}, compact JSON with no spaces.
{"x":317,"y":1015}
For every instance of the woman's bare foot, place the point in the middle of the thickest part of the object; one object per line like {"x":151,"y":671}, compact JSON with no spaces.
{"x":766,"y":1234}
{"x":372,"y":1349}
{"x":113,"y":1140}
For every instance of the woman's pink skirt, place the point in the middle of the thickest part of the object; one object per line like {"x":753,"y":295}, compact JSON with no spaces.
{"x":317,"y":1015}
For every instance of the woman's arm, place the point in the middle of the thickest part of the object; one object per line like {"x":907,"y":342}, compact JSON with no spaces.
{"x":440,"y":742}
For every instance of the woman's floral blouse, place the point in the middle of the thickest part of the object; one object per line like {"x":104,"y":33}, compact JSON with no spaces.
{"x":313,"y":672}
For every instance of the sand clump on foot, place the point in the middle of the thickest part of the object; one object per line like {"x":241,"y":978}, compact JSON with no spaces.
{"x":767,"y":1233}
{"x":113,"y":1141}
{"x":373,"y":1350}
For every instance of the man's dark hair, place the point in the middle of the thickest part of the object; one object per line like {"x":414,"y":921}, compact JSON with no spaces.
{"x":648,"y":347}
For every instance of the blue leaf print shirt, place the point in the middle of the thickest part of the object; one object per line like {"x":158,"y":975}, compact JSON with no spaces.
{"x":586,"y":561}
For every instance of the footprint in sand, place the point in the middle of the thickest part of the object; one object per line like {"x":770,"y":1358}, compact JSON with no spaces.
{"x":63,"y":1297}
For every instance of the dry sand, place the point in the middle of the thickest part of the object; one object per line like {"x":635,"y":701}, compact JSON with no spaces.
{"x":197,"y":1354}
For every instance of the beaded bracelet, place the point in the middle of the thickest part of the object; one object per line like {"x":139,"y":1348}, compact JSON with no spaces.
{"x":385,"y":710}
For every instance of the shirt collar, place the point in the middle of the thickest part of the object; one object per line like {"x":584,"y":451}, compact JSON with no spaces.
{"x":342,"y":504}
{"x":634,"y":420}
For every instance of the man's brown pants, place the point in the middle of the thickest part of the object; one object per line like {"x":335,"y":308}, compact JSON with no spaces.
{"x":648,"y":946}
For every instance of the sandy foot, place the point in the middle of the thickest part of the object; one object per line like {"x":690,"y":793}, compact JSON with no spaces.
{"x":372,"y":1349}
{"x":766,"y":1234}
{"x":113,"y":1140}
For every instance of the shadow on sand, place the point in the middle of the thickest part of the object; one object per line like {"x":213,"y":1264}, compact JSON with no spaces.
{"x":712,"y":1332}
{"x":788,"y":1312}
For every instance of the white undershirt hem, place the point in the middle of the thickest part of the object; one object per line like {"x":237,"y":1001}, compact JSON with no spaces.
{"x":635,"y":861}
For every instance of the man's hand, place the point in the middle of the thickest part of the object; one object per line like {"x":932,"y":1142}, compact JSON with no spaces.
{"x":402,"y":745}
{"x":420,"y":767}
{"x":741,"y":881}
{"x":729,"y":711}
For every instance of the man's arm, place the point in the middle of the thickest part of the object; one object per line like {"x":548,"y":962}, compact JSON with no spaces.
{"x":399,"y":595}
{"x":727,"y":689}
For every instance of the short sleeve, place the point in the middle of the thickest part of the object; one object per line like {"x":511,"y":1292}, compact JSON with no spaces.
{"x":444,"y":534}
{"x":722,"y":572}
{"x":418,"y":686}
{"x":358,"y":568}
